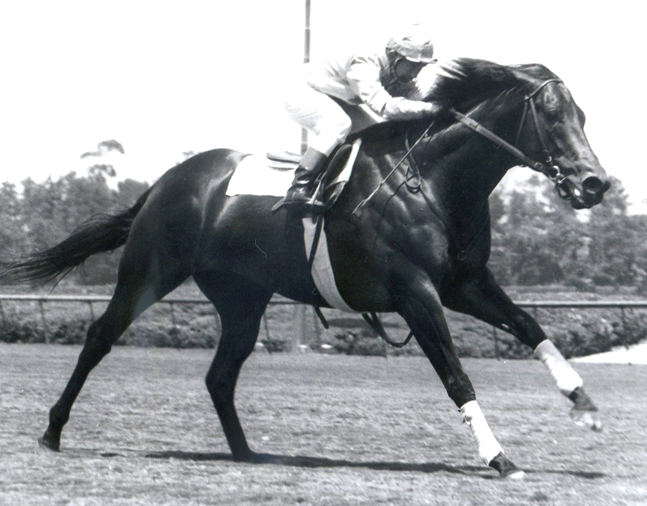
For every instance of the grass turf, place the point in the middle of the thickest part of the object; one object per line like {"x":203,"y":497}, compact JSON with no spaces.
{"x":351,"y":430}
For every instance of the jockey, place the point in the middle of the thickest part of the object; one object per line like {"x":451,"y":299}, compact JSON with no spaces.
{"x":379,"y":81}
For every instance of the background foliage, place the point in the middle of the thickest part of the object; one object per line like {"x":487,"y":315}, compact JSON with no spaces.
{"x":537,"y":239}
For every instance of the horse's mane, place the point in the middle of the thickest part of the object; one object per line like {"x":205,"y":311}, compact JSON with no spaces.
{"x":466,"y":82}
{"x":463,"y":84}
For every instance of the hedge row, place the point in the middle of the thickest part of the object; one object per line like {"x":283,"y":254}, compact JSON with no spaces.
{"x":575,"y":333}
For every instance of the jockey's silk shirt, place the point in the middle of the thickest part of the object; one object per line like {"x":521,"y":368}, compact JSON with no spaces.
{"x":365,"y":79}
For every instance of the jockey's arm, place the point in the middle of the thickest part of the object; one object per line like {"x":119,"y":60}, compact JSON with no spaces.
{"x":364,"y":79}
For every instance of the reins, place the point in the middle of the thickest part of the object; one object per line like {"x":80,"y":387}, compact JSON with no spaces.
{"x":358,"y":210}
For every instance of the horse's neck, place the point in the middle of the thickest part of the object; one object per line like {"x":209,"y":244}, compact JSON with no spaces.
{"x":458,"y":169}
{"x":462,"y":168}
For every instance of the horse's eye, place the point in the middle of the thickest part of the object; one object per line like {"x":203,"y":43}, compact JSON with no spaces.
{"x":552,"y":115}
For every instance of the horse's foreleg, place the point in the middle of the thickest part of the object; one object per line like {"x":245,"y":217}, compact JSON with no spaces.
{"x":484,"y":299}
{"x":424,"y":314}
{"x":240,"y":308}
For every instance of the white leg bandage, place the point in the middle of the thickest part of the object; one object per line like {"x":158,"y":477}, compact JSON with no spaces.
{"x":487,"y":443}
{"x":565,"y":376}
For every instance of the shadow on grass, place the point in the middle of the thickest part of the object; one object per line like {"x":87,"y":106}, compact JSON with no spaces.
{"x":320,"y":462}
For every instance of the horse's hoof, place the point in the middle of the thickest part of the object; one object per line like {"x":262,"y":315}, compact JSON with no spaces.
{"x":49,"y":443}
{"x":506,"y":468}
{"x":585,"y":418}
{"x":584,"y":412}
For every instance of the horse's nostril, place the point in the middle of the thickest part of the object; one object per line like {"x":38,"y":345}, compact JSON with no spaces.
{"x":593,"y":185}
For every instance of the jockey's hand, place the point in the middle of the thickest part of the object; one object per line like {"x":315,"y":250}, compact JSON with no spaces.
{"x":436,"y":112}
{"x":433,"y":110}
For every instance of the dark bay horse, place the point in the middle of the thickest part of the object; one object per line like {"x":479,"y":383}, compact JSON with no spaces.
{"x":420,"y":243}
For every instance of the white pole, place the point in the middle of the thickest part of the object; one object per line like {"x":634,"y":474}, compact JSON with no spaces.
{"x":306,"y":59}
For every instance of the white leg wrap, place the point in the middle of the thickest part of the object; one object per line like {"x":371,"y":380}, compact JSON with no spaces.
{"x":487,"y":443}
{"x":565,"y":376}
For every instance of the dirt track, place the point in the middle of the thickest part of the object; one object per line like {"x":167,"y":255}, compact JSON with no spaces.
{"x":352,"y":430}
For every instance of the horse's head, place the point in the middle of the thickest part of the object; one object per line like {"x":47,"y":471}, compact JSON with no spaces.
{"x":534,"y":104}
{"x":552,"y":131}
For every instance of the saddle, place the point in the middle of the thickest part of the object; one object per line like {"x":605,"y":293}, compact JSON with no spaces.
{"x":332,"y":179}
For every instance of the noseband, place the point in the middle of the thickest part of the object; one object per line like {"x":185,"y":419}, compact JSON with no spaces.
{"x":548,"y":168}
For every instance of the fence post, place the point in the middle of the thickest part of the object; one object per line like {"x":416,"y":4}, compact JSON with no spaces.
{"x":317,"y":330}
{"x":173,"y":314}
{"x":301,"y":336}
{"x":92,"y":316}
{"x":267,"y":327}
{"x":42,"y":316}
{"x":496,"y":343}
{"x":624,"y":327}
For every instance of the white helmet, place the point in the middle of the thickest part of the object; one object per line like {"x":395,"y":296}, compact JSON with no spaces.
{"x":414,"y":43}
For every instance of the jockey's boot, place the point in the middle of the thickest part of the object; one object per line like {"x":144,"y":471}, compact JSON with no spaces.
{"x":300,"y":193}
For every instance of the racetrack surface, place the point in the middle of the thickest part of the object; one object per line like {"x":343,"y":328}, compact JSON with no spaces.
{"x":351,"y":430}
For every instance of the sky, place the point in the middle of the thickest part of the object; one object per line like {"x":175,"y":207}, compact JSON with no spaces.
{"x":168,"y":77}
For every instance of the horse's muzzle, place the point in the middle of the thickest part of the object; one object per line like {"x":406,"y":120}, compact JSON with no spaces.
{"x":590,"y":194}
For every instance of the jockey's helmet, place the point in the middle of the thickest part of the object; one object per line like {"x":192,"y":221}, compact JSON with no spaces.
{"x":414,"y":43}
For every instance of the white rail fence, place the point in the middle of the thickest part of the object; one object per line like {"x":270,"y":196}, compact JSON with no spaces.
{"x":92,"y":300}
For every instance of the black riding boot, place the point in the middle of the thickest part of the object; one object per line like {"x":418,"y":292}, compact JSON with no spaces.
{"x":312,"y":164}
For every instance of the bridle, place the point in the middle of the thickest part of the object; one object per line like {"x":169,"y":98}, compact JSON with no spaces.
{"x":547,"y":167}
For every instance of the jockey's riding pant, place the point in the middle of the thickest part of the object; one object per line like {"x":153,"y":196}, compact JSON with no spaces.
{"x":318,"y":114}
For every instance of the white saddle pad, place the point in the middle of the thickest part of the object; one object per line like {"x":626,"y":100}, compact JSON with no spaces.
{"x":254,"y":176}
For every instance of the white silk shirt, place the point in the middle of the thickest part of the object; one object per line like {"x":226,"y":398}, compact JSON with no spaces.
{"x":365,"y":79}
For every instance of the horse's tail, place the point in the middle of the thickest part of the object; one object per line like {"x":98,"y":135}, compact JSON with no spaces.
{"x":101,"y":233}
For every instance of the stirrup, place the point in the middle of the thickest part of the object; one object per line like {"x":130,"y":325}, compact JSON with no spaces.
{"x":309,"y":203}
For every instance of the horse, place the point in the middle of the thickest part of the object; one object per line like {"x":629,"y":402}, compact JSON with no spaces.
{"x":406,"y":241}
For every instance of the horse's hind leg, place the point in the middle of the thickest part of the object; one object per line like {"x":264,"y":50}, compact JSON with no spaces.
{"x":144,"y":278}
{"x":484,"y":299}
{"x":241,"y":306}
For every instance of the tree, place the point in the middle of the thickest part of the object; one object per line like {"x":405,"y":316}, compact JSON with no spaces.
{"x":104,"y":148}
{"x":11,"y":237}
{"x":539,"y":239}
{"x":128,"y":191}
